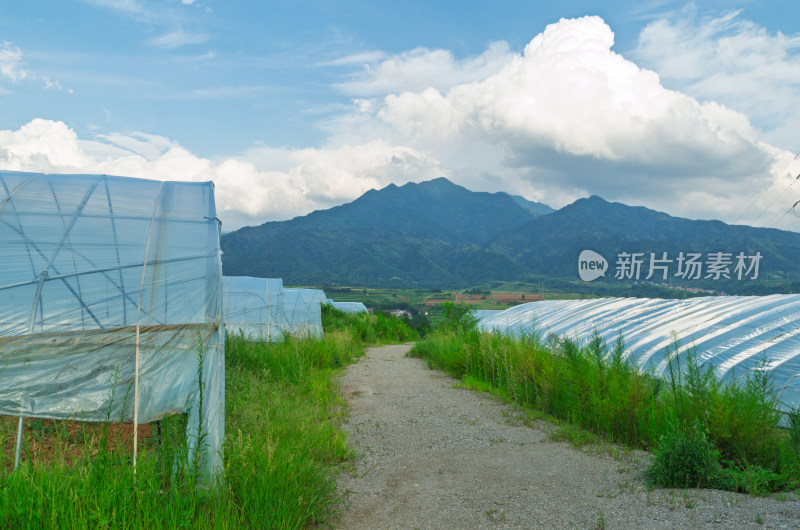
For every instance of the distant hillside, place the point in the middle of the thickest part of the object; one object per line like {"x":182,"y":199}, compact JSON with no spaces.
{"x":438,"y":234}
{"x":427,"y":234}
{"x":532,"y":206}
{"x":550,"y":245}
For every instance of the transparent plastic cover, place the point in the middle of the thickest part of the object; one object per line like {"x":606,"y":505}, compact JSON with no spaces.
{"x":94,"y":265}
{"x":302,"y":311}
{"x":253,"y":306}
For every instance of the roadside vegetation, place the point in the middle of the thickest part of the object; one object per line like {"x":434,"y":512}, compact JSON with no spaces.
{"x":283,"y":441}
{"x":500,"y":295}
{"x":703,"y":432}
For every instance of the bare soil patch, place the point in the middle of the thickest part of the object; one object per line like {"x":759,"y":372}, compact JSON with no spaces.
{"x":45,"y":439}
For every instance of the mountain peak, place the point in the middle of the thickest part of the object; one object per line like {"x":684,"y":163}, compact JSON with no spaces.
{"x":436,"y":187}
{"x":439,"y":181}
{"x":437,"y":233}
{"x":592,"y":200}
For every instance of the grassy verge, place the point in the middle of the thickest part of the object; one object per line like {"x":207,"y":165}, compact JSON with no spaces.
{"x":368,"y":328}
{"x":283,"y":441}
{"x":704,"y":432}
{"x":283,"y":413}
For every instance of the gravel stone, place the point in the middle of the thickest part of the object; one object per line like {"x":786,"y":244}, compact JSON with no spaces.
{"x":434,"y":456}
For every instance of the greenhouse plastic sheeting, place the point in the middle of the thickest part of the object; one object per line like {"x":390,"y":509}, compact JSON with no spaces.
{"x":350,"y":307}
{"x":252,"y":306}
{"x":734,"y":334}
{"x":81,"y":255}
{"x":302,"y":311}
{"x":485,"y":313}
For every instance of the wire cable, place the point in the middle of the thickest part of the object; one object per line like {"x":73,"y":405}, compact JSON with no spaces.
{"x":760,"y":195}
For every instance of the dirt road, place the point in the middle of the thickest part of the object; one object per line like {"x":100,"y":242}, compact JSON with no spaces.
{"x":435,"y":456}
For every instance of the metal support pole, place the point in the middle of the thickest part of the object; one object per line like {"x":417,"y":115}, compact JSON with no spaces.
{"x":18,"y":447}
{"x":31,"y":322}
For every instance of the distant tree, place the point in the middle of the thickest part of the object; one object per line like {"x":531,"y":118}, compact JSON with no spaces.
{"x":420,"y":323}
{"x":454,"y":317}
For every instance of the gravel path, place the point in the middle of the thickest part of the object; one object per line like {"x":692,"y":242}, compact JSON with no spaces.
{"x":435,"y":456}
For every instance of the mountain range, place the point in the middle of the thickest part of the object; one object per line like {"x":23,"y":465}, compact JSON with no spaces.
{"x":436,"y":234}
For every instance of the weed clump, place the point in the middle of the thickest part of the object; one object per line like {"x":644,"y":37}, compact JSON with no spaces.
{"x":685,"y":458}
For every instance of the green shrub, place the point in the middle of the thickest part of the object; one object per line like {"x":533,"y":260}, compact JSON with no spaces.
{"x":685,"y":458}
{"x":754,"y":480}
{"x":741,"y":415}
{"x":457,"y":318}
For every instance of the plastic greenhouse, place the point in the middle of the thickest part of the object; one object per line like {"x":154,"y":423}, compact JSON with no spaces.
{"x":111,"y":286}
{"x":485,"y":313}
{"x":350,"y":307}
{"x":253,"y":306}
{"x":302,"y":311}
{"x":734,"y":334}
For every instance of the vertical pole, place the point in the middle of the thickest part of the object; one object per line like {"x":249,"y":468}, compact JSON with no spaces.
{"x":138,"y":327}
{"x":269,"y":311}
{"x":18,"y":447}
{"x":31,"y":321}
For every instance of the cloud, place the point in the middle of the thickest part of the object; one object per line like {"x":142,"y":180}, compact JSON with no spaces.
{"x":227,"y":92}
{"x":261,"y":185}
{"x":149,"y":146}
{"x":564,"y":118}
{"x":362,"y":58}
{"x":196,"y":58}
{"x":571,"y":116}
{"x":178,"y":38}
{"x":420,"y":69}
{"x":732,"y":61}
{"x":11,"y":64}
{"x":127,"y":6}
{"x":45,"y":145}
{"x":159,"y":15}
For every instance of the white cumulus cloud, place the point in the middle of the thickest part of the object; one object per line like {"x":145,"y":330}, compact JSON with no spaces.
{"x":564,"y":118}
{"x":571,"y":116}
{"x":261,"y":185}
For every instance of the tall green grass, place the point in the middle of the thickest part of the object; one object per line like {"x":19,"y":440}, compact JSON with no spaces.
{"x":96,"y":487}
{"x":592,"y":385}
{"x":368,"y":328}
{"x":282,"y":435}
{"x":283,"y":441}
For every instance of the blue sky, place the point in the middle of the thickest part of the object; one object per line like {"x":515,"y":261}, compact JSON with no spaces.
{"x":692,"y":109}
